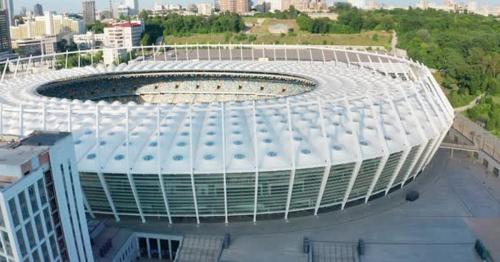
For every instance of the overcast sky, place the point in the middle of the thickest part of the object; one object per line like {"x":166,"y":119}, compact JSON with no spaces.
{"x":75,"y":5}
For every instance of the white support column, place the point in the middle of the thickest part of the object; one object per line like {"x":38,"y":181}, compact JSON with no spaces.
{"x":354,"y":175}
{"x":30,"y":61}
{"x":191,"y":163}
{"x":385,"y":149}
{"x":154,"y":53}
{"x":143,"y":55}
{"x":292,"y":153}
{"x":66,"y":60}
{"x":164,"y":54}
{"x":5,"y":69}
{"x":328,"y":160}
{"x":170,"y":251}
{"x":79,"y":58}
{"x":158,"y":244}
{"x":323,"y":55}
{"x":187,"y":51}
{"x":17,"y":66}
{"x":92,"y":57}
{"x":159,"y":162}
{"x":99,"y":166}
{"x":69,"y":120}
{"x":311,"y":55}
{"x":21,"y":124}
{"x":129,"y":166}
{"x":401,"y":162}
{"x":224,"y":171}
{"x":87,"y":205}
{"x":414,"y":162}
{"x":256,"y":156}
{"x":298,"y":54}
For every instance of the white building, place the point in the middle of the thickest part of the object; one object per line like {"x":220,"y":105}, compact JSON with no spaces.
{"x":204,"y":8}
{"x":123,"y":35}
{"x":49,"y":24}
{"x":41,"y":45}
{"x":89,"y":40}
{"x":41,"y":201}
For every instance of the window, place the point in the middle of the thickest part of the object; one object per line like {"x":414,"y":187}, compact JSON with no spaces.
{"x":45,"y":252}
{"x":32,"y":195}
{"x":30,"y":235}
{"x":13,"y":210}
{"x":6,"y":241}
{"x":495,"y":172}
{"x":53,"y":246}
{"x":35,"y":255}
{"x":41,"y":191}
{"x":48,"y":223}
{"x":20,"y":239}
{"x":24,"y":205}
{"x":39,"y":227}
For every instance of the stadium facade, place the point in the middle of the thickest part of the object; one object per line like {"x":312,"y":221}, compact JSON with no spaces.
{"x":225,"y":137}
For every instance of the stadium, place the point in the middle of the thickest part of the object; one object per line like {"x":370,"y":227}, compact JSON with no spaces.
{"x":232,"y":132}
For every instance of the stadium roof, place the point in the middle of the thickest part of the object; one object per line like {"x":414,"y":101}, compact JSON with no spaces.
{"x":353,"y":113}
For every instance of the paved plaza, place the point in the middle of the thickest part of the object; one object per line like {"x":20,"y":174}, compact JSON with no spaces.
{"x":458,"y":200}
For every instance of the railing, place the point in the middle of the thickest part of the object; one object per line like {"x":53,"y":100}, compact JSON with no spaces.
{"x":481,"y":138}
{"x":13,"y":68}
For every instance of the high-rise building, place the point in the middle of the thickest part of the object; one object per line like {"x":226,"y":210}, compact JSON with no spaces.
{"x":123,"y":35}
{"x":38,"y":10}
{"x":133,"y":6}
{"x":5,"y":45}
{"x":42,"y":211}
{"x":234,"y":6}
{"x":88,"y":11}
{"x":9,"y":6}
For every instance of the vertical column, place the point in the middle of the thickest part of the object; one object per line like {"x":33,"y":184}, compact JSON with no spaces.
{"x":129,"y":166}
{"x":328,"y":161}
{"x":224,"y":171}
{"x":160,"y":169}
{"x":256,"y":155}
{"x":6,"y":64}
{"x":99,"y":167}
{"x":191,"y":162}
{"x":292,"y":153}
{"x":17,"y":66}
{"x":66,"y":60}
{"x":21,"y":114}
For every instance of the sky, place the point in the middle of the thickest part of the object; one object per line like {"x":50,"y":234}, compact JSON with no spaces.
{"x":74,"y":6}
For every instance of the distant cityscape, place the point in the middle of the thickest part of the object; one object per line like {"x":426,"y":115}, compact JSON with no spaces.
{"x":39,"y":31}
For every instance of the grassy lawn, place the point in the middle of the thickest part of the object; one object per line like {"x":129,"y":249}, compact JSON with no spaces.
{"x":259,"y":27}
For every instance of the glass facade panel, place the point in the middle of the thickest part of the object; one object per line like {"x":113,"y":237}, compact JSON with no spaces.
{"x":149,"y":192}
{"x":41,"y":191}
{"x":388,"y":171}
{"x":13,"y":211}
{"x":422,"y":157}
{"x":210,"y":193}
{"x":336,"y":186}
{"x":406,"y":166}
{"x":30,"y":235}
{"x":48,"y":223}
{"x":39,"y":227}
{"x":6,"y":241}
{"x":364,"y":178}
{"x":20,"y":240}
{"x":179,"y":192}
{"x":121,"y":193}
{"x":24,"y":205}
{"x":53,"y":246}
{"x":306,"y":187}
{"x":94,"y":192}
{"x":45,"y":252}
{"x":32,"y":196}
{"x":273,"y":191}
{"x":240,"y":193}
